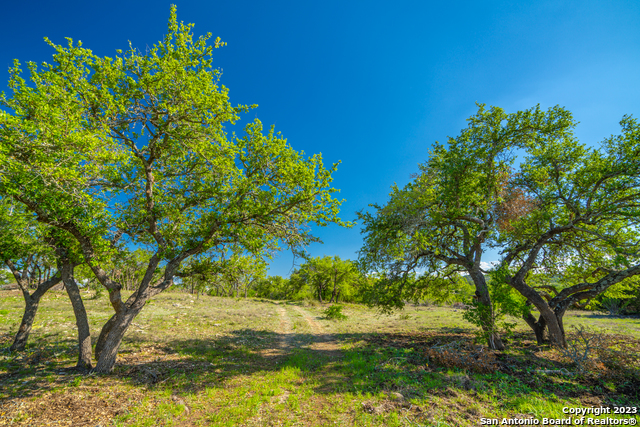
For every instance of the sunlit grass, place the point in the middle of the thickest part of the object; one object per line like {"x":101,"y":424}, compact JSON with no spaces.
{"x":219,"y":361}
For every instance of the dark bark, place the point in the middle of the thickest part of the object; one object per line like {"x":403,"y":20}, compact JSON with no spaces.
{"x":31,"y":302}
{"x":334,"y":293}
{"x":554,"y":325}
{"x":114,"y":330}
{"x":110,"y":342}
{"x":104,"y":333}
{"x":30,"y":310}
{"x":552,"y":312}
{"x":538,"y":326}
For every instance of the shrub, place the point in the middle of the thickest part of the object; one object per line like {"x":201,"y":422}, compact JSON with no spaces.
{"x":581,"y":349}
{"x":334,"y":313}
{"x":470,"y":358}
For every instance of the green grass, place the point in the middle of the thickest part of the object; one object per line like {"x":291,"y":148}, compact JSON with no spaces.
{"x":228,"y":362}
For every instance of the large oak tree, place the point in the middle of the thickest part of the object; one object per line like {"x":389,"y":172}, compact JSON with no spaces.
{"x":133,"y":150}
{"x":441,"y":223}
{"x":580,"y":225}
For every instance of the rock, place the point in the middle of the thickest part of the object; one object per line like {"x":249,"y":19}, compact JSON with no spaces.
{"x":394,"y":395}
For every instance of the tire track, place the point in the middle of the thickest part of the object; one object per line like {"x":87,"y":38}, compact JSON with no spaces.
{"x":323,"y":341}
{"x":285,"y":337}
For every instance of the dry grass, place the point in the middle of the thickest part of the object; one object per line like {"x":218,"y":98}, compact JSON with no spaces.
{"x":226,"y":362}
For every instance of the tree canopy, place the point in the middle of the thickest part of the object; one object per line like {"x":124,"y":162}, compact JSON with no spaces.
{"x":441,"y":223}
{"x":582,"y":224}
{"x":133,"y":150}
{"x":564,"y":207}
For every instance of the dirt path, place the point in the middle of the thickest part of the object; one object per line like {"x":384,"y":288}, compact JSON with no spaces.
{"x":286,"y":327}
{"x":323,"y":341}
{"x":320,"y":341}
{"x":285,"y":337}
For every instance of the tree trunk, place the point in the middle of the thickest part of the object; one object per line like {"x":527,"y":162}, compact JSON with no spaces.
{"x":104,"y":333}
{"x":84,"y":334}
{"x":334,"y":293}
{"x":30,"y":310}
{"x":31,"y":302}
{"x":487,"y":318}
{"x":538,"y":326}
{"x":111,"y":338}
{"x":555,"y":329}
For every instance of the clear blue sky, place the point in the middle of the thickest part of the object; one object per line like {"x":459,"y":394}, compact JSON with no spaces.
{"x":372,"y":83}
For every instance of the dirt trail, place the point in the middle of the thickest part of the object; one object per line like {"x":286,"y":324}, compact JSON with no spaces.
{"x":322,"y":341}
{"x":285,"y":327}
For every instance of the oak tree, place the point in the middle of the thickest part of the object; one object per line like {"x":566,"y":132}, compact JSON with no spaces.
{"x":583,"y":227}
{"x":39,"y":258}
{"x":133,"y":151}
{"x":440,"y":224}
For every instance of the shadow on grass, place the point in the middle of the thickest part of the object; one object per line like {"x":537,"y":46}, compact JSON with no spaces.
{"x":354,"y":362}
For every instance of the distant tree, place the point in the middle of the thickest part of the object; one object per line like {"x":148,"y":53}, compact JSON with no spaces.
{"x":129,"y":267}
{"x":198,"y":275}
{"x":5,"y":277}
{"x":133,"y":151}
{"x":277,"y":287}
{"x":329,"y":278}
{"x":241,"y":273}
{"x":39,"y":258}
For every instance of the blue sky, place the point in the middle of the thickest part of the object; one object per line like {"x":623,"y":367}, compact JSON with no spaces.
{"x":371,"y":83}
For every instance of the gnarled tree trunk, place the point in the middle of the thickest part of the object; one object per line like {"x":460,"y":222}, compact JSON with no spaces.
{"x":548,"y":317}
{"x":30,"y":310}
{"x":111,"y":337}
{"x":538,"y":326}
{"x":31,"y":302}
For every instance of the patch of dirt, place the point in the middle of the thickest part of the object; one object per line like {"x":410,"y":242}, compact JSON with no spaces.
{"x":83,"y":406}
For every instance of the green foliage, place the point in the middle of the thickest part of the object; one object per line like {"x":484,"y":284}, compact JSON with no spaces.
{"x":388,"y":293}
{"x":582,"y":230}
{"x":334,"y":313}
{"x":441,"y":223}
{"x":279,"y":288}
{"x":328,"y":278}
{"x":506,"y":301}
{"x":5,"y":276}
{"x":222,"y":274}
{"x":133,"y":149}
{"x":619,"y":298}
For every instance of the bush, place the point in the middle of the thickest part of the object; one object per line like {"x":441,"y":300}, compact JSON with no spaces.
{"x":334,"y":313}
{"x":613,"y":306}
{"x":581,"y":349}
{"x":461,"y":356}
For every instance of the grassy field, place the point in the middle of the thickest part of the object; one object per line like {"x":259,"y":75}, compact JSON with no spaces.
{"x":207,"y":361}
